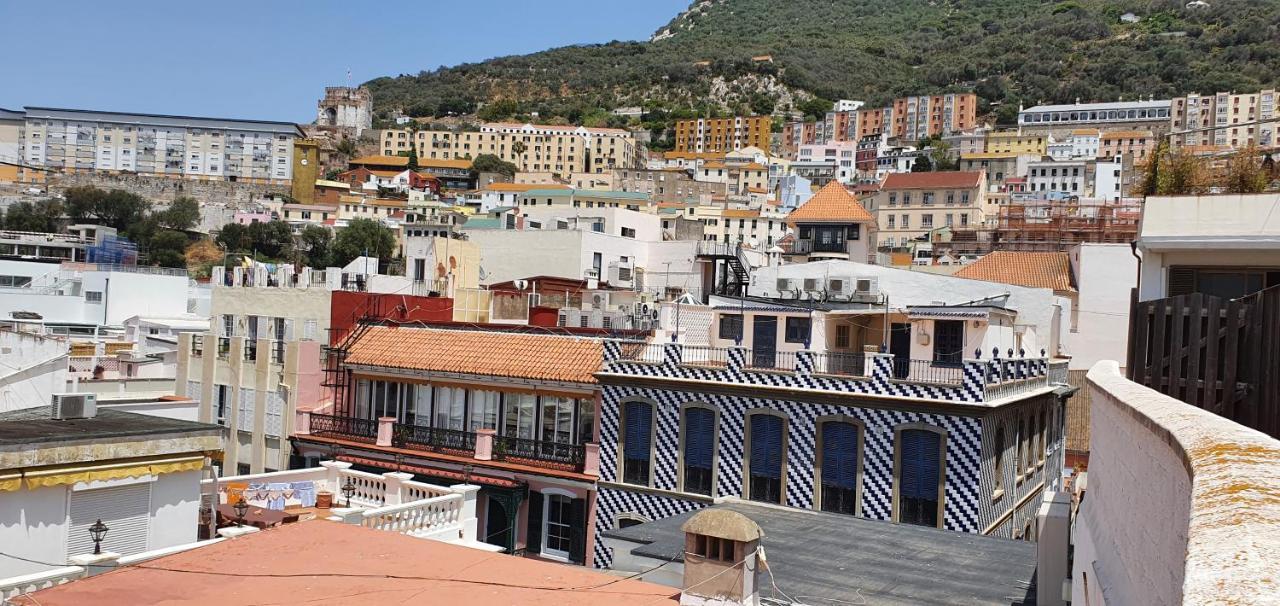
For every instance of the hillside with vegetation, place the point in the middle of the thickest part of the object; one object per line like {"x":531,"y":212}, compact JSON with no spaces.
{"x":1008,"y":51}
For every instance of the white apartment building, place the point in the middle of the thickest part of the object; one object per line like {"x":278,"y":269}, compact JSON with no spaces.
{"x":758,"y":228}
{"x":841,"y":153}
{"x":1079,"y":144}
{"x":1068,"y":178}
{"x":74,"y":140}
{"x":82,"y":299}
{"x":1109,"y":179}
{"x":1151,"y":114}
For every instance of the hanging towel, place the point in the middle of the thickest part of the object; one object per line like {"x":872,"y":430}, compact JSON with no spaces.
{"x":275,"y":495}
{"x":305,"y":493}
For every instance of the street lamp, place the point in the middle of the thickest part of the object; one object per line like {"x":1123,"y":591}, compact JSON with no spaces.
{"x":98,"y":531}
{"x":241,"y":507}
{"x":348,"y":489}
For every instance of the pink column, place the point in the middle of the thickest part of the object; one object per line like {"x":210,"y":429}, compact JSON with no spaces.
{"x":591,"y":462}
{"x":484,"y":444}
{"x":385,"y":427}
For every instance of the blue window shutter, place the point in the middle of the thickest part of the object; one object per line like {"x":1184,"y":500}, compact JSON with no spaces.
{"x":840,"y":454}
{"x":639,"y":419}
{"x":920,"y":464}
{"x":699,"y":436}
{"x":766,"y":446}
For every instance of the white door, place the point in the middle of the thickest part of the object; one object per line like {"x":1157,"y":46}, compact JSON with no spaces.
{"x":125,"y":510}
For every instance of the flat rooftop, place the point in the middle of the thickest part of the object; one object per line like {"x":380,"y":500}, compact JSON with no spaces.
{"x":30,"y":426}
{"x":833,"y":558}
{"x":322,"y":562}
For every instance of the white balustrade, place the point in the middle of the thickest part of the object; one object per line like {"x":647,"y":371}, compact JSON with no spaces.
{"x":426,"y":518}
{"x":370,"y":488}
{"x":13,"y":587}
{"x":417,"y":491}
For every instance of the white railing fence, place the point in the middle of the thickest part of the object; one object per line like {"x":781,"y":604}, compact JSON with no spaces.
{"x":431,"y":517}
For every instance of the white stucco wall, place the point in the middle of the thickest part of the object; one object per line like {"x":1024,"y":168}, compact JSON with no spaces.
{"x":1038,"y":308}
{"x":1097,"y":328}
{"x":32,"y":369}
{"x":509,"y":254}
{"x":1155,"y":265}
{"x":34,"y":523}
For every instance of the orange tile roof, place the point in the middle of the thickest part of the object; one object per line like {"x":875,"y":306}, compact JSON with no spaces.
{"x":1050,"y":270}
{"x":382,"y":160}
{"x":832,"y":203}
{"x":324,"y":562}
{"x":1127,"y":134}
{"x":523,"y":187}
{"x":478,"y":352}
{"x":956,"y":179}
{"x":441,"y":163}
{"x":733,"y":213}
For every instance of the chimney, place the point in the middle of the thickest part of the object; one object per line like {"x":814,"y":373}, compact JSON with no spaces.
{"x":722,"y":559}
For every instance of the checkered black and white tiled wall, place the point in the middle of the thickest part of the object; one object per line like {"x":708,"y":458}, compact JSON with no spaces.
{"x":963,"y":464}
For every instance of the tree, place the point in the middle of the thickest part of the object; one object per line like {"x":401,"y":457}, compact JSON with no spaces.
{"x":316,"y":246}
{"x":41,"y":216}
{"x":168,"y":249}
{"x":203,"y":253}
{"x":273,"y":239}
{"x":363,"y":237}
{"x":1182,"y":173}
{"x":815,"y":108}
{"x":489,"y":163}
{"x":1245,"y":173}
{"x":413,"y":159}
{"x":922,"y":164}
{"x":183,"y":214}
{"x":346,"y":147}
{"x":234,"y":237}
{"x":519,"y":148}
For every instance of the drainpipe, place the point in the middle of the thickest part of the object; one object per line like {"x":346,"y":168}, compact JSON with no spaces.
{"x":1133,"y":250}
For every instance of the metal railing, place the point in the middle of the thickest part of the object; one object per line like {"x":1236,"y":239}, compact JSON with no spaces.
{"x":434,"y":438}
{"x":277,"y":352}
{"x":224,"y":347}
{"x":928,"y":371}
{"x":197,"y":346}
{"x":775,"y":360}
{"x":852,"y":364}
{"x":703,"y":355}
{"x":572,"y":456}
{"x":641,"y":352}
{"x":250,"y":350}
{"x":360,"y":430}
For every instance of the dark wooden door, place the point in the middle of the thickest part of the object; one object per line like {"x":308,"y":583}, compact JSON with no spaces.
{"x":764,"y":341}
{"x":900,"y":347}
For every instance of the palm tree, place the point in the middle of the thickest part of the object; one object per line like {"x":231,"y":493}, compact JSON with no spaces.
{"x":519,"y":148}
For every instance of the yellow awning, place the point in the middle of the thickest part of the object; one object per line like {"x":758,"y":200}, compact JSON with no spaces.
{"x":10,"y":482}
{"x":132,"y":469}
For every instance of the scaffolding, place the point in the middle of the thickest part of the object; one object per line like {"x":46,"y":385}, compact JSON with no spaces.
{"x":114,"y":251}
{"x":1049,"y":226}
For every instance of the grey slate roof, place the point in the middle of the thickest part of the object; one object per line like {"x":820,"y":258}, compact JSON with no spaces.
{"x":36,"y":426}
{"x":826,"y":557}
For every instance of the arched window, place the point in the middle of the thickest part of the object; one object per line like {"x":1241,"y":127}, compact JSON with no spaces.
{"x":637,"y":443}
{"x":919,"y":458}
{"x":838,"y":459}
{"x":998,"y":449}
{"x":699,"y":436}
{"x":766,"y":457}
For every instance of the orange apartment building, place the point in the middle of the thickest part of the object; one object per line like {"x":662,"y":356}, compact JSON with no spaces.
{"x":723,"y":134}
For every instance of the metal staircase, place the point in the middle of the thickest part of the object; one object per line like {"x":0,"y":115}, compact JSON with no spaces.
{"x":731,"y":273}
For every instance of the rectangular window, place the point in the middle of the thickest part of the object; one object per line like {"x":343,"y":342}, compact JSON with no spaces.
{"x":948,"y":342}
{"x":699,"y":443}
{"x":637,"y":436}
{"x":839,"y":467}
{"x":798,"y":330}
{"x":766,"y":458}
{"x":731,"y":326}
{"x":557,"y":419}
{"x":451,"y":405}
{"x":484,"y":409}
{"x":518,"y":416}
{"x":842,"y":335}
{"x":93,"y":296}
{"x":919,"y":473}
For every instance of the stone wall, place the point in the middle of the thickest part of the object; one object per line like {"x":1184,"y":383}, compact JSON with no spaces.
{"x":219,"y":200}
{"x":1181,"y":506}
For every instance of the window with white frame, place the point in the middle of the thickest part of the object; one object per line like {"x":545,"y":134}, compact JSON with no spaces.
{"x":451,"y":405}
{"x":518,"y":422}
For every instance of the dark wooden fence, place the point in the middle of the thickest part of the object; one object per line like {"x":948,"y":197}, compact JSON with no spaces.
{"x":1218,"y":354}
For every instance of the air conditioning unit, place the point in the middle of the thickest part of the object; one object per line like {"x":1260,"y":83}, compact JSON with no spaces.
{"x":599,"y":300}
{"x":621,"y":274}
{"x":641,"y":310}
{"x":811,"y":284}
{"x":866,"y":288}
{"x":839,"y":285}
{"x":75,"y":406}
{"x":784,"y":285}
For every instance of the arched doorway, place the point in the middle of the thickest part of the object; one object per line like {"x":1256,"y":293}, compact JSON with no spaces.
{"x":497,"y":524}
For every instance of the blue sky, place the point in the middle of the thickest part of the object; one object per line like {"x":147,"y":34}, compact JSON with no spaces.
{"x":271,"y":59}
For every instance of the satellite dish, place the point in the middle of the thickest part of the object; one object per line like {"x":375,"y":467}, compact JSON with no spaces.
{"x":483,"y":274}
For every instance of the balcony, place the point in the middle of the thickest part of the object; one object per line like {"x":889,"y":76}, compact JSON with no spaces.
{"x":1182,"y":506}
{"x":972,"y":380}
{"x":484,"y":445}
{"x":389,"y":501}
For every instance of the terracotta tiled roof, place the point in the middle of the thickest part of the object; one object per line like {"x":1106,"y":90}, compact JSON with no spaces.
{"x":478,"y":352}
{"x":832,"y":203}
{"x":382,"y":160}
{"x":954,"y":179}
{"x":1127,"y":134}
{"x":437,"y":163}
{"x":735,"y":213}
{"x":523,"y":187}
{"x":1050,"y":270}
